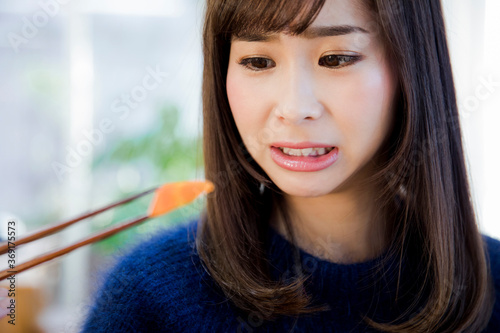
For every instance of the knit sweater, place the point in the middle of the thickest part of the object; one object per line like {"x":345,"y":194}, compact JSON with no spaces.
{"x":161,"y":286}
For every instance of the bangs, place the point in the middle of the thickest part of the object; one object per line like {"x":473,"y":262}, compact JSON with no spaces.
{"x":246,"y":18}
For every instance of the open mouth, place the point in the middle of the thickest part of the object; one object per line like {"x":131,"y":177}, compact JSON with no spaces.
{"x":305,"y":159}
{"x":306,"y":151}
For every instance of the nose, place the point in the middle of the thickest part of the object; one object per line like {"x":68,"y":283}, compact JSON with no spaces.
{"x":296,"y":100}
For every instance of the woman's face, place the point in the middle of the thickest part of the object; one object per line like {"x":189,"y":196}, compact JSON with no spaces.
{"x":326,"y":95}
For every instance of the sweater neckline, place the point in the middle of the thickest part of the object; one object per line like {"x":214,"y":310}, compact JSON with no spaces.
{"x":278,"y":238}
{"x":364,"y":287}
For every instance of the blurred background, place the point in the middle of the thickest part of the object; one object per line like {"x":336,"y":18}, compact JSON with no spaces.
{"x":102,"y":99}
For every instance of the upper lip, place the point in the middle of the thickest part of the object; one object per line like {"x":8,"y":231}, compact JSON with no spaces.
{"x":301,"y":145}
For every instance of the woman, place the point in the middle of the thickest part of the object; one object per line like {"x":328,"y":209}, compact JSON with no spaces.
{"x":342,"y":204}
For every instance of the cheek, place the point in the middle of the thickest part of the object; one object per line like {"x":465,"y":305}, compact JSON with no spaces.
{"x":248,"y":107}
{"x":251,"y":98}
{"x":368,"y":102}
{"x":238,"y":98}
{"x":241,"y":99}
{"x":235,"y":95}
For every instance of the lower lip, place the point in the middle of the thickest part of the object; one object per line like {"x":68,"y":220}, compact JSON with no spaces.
{"x":304,"y":163}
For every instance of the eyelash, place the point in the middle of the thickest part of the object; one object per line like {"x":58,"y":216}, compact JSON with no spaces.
{"x":345,"y":60}
{"x":247,"y":63}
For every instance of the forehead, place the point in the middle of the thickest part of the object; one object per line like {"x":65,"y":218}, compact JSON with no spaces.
{"x":343,"y":12}
{"x":303,"y":19}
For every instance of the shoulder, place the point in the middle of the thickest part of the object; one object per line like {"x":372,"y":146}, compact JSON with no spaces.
{"x":159,"y":284}
{"x":493,"y":248}
{"x":158,"y":260}
{"x":167,"y":250}
{"x":493,"y":251}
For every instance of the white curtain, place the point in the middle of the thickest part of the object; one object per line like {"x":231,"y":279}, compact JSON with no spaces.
{"x":472,"y":28}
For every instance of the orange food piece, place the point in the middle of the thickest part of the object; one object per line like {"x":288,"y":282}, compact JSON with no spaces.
{"x":173,"y":195}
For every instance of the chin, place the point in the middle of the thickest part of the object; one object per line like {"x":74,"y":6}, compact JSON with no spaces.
{"x":301,"y":188}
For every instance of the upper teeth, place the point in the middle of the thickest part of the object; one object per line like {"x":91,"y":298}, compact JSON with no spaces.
{"x":306,"y":151}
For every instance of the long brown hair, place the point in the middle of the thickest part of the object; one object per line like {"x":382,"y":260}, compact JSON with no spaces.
{"x":434,"y":221}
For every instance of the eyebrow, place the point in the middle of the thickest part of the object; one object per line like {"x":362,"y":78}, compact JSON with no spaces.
{"x":339,"y":30}
{"x":309,"y":33}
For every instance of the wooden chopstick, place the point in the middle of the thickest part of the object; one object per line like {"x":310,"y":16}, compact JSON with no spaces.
{"x":4,"y":247}
{"x":167,"y":197}
{"x":56,"y":253}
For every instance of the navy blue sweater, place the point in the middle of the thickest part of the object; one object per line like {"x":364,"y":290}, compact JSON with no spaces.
{"x":161,"y":286}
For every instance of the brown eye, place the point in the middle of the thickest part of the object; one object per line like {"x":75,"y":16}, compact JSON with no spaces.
{"x":337,"y":61}
{"x":257,"y":63}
